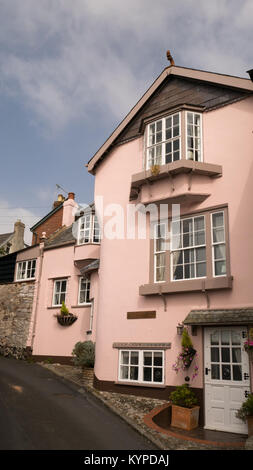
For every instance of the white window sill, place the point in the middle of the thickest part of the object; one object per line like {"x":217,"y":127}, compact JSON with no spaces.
{"x":140,"y":384}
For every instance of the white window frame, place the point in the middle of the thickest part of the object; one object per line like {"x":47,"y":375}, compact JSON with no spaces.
{"x":90,"y":231}
{"x":87,"y":283}
{"x":60,"y":292}
{"x":193,"y":247}
{"x":159,"y":252}
{"x":141,"y":366}
{"x":163,"y":141}
{"x":25,"y":263}
{"x":200,"y":135}
{"x":218,"y":243}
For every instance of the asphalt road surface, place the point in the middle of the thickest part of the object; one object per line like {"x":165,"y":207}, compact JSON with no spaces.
{"x":39,"y":411}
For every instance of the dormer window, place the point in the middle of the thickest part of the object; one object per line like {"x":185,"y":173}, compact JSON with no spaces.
{"x":174,"y":137}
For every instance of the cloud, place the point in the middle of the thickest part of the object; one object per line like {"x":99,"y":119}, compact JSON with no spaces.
{"x":64,"y":60}
{"x":9,"y":215}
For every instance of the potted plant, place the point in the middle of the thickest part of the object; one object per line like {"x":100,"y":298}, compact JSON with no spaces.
{"x":84,"y":357}
{"x":245,"y":413}
{"x":185,"y":411}
{"x":65,"y":318}
{"x":155,"y":170}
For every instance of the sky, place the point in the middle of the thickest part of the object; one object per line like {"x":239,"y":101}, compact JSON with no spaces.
{"x":71,"y":70}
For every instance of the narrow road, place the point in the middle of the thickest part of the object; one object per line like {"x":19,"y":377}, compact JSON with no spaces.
{"x":38,"y":411}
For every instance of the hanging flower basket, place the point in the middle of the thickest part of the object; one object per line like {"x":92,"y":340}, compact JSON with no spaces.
{"x":248,"y":345}
{"x":66,"y":320}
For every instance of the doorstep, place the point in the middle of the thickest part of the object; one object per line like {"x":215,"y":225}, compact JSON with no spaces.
{"x":156,"y":420}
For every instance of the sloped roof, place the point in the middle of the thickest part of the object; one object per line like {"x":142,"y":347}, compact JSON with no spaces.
{"x":64,"y":237}
{"x":4,"y":237}
{"x":244,"y":85}
{"x":47,"y":216}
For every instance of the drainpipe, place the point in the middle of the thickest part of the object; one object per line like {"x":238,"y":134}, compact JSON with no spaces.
{"x":38,"y":292}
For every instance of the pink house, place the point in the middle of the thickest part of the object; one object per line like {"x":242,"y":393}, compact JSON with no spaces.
{"x":66,"y":270}
{"x":186,"y":144}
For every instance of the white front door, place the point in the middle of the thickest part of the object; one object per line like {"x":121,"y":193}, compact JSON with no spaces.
{"x":227,"y":381}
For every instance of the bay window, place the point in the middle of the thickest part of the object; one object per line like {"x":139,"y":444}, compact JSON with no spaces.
{"x":197,"y":248}
{"x":174,"y":137}
{"x":88,"y":229}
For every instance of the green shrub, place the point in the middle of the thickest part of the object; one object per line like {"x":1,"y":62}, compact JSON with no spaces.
{"x":184,"y":396}
{"x":64,"y":309}
{"x":186,"y":340}
{"x":246,"y":409}
{"x":84,"y":354}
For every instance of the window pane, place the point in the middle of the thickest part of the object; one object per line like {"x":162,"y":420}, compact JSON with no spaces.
{"x":147,"y":374}
{"x":215,"y":371}
{"x":134,"y":373}
{"x":199,"y":223}
{"x":124,"y":372}
{"x":215,"y":355}
{"x":215,"y":338}
{"x":220,"y":268}
{"x":62,"y":298}
{"x":176,"y":156}
{"x":200,"y":238}
{"x":125,"y":357}
{"x":134,"y":357}
{"x":218,"y":219}
{"x":158,"y":359}
{"x":225,"y":337}
{"x":200,"y":269}
{"x":200,"y":254}
{"x":226,"y":372}
{"x":225,"y":354}
{"x":236,"y":355}
{"x":158,"y":375}
{"x":237,"y":372}
{"x":176,"y":119}
{"x":63,"y":286}
{"x":236,"y":338}
{"x":57,"y":286}
{"x":219,"y":252}
{"x":148,"y":358}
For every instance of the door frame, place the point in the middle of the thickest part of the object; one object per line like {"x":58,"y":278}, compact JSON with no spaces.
{"x":205,"y":328}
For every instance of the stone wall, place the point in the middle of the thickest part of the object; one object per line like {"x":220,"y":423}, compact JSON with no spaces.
{"x":16,"y":302}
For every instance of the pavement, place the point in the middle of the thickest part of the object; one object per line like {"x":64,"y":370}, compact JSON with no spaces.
{"x":131,"y":409}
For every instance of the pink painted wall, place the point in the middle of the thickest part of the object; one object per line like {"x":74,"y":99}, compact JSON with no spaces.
{"x":124,"y":264}
{"x":52,"y":339}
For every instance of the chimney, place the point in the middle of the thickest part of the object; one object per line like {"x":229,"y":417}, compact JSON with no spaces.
{"x":17,"y":242}
{"x":69,"y":207}
{"x":250,"y":72}
{"x":59,"y":201}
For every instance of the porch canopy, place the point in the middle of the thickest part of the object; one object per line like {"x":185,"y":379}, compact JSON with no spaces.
{"x":209,"y":317}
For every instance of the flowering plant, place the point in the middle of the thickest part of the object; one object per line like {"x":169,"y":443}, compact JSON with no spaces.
{"x":248,"y":344}
{"x":187,"y":356}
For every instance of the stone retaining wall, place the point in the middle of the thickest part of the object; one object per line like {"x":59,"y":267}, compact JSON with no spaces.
{"x":16,"y":302}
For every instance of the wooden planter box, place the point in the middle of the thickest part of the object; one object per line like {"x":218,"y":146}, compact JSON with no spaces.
{"x":185,"y":418}
{"x":66,"y":320}
{"x":250,"y":425}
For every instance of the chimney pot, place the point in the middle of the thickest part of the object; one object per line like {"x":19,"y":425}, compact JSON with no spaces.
{"x":71,"y":195}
